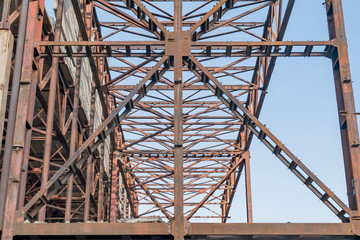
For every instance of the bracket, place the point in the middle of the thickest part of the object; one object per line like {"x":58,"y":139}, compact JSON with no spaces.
{"x":172,"y":47}
{"x":186,"y":227}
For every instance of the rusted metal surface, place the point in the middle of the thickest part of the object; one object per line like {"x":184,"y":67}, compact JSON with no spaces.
{"x":12,"y":109}
{"x":172,"y":108}
{"x":108,"y":229}
{"x":196,"y":229}
{"x":51,"y":104}
{"x":268,"y":229}
{"x":346,"y":103}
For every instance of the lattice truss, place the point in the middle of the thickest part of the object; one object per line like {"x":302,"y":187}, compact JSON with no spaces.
{"x":212,"y":146}
{"x":215,"y":136}
{"x":224,"y":87}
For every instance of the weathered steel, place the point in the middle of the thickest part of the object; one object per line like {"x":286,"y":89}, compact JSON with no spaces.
{"x":51,"y":104}
{"x":12,"y":109}
{"x":228,"y":229}
{"x":20,"y":129}
{"x":346,"y":103}
{"x":137,"y":108}
{"x":178,"y":224}
{"x":73,"y":140}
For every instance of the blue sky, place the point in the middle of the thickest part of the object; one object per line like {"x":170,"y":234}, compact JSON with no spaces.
{"x":300,"y":109}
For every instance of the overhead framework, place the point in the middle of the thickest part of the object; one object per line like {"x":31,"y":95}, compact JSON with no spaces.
{"x":130,"y":118}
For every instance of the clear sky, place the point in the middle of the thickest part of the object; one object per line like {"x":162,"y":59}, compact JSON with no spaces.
{"x":301,"y":110}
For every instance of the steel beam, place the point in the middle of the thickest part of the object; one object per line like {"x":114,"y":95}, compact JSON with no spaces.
{"x":345,"y":102}
{"x":173,"y":160}
{"x":12,"y":107}
{"x":196,"y":229}
{"x":276,"y":146}
{"x":51,"y":105}
{"x":88,"y":145}
{"x":271,"y":229}
{"x":178,"y":230}
{"x":28,"y":77}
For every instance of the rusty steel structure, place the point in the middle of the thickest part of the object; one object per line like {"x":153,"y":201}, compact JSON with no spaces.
{"x":123,"y":109}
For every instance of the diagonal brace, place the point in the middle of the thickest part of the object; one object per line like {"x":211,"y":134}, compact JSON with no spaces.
{"x":149,"y":136}
{"x":89,"y":146}
{"x":223,"y":179}
{"x":273,"y":143}
{"x":147,"y":191}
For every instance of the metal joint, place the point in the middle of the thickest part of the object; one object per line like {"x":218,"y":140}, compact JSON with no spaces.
{"x":17,"y":147}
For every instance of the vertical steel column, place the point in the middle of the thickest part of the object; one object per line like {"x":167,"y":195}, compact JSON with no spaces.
{"x":121,"y":204}
{"x":248,"y":189}
{"x":89,"y":173}
{"x":345,"y":102}
{"x":74,"y":137}
{"x":178,"y":226}
{"x":126,"y":205}
{"x":36,"y":75}
{"x":12,"y":109}
{"x":90,"y":158}
{"x":5,"y":15}
{"x":27,"y":74}
{"x":114,"y":187}
{"x":51,"y":105}
{"x":101,"y":185}
{"x":87,"y":12}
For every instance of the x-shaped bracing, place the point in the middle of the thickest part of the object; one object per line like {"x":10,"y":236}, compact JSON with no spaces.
{"x":225,"y":96}
{"x":97,"y":137}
